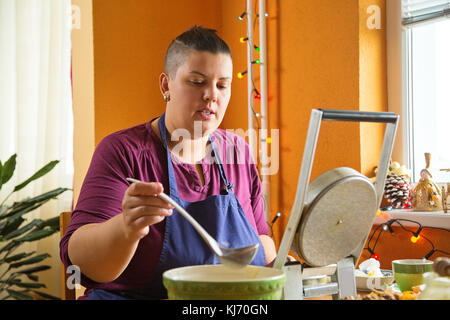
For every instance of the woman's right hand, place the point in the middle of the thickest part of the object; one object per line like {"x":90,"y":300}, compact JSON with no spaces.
{"x":142,"y":208}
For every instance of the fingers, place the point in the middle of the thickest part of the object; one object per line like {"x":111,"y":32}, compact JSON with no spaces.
{"x":152,"y":201}
{"x":142,"y":217}
{"x":147,"y":211}
{"x":141,"y":207}
{"x":141,"y":199}
{"x":146,"y":221}
{"x":144,"y":189}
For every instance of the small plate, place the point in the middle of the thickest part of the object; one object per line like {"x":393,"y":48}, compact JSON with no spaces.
{"x":370,"y":283}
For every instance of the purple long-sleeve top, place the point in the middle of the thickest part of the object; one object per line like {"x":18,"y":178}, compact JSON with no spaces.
{"x":138,"y":152}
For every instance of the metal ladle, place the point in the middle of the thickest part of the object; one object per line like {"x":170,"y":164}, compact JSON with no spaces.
{"x":236,"y":258}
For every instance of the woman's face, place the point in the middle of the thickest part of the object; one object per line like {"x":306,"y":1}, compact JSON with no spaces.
{"x":199,"y":92}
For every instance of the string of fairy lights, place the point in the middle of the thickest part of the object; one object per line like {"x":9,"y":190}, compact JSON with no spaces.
{"x":258,"y":119}
{"x":241,"y":74}
{"x":416,"y":235}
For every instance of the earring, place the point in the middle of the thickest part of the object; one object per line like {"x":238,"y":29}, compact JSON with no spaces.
{"x":166,"y":98}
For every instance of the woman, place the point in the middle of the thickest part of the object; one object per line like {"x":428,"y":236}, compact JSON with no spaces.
{"x":123,"y":237}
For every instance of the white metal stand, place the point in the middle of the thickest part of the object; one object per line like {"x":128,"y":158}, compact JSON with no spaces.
{"x":342,"y":281}
{"x":342,"y":274}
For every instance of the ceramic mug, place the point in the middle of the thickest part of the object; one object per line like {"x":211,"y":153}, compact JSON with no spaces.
{"x":409,"y":272}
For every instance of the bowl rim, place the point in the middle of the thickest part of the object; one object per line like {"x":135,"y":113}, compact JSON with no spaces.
{"x":412,"y":262}
{"x":413,"y":266}
{"x":276,"y":277}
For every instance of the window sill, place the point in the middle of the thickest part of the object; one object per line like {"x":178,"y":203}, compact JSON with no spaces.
{"x":430,"y":219}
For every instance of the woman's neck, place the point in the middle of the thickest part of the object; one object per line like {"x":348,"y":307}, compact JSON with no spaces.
{"x":188,"y":150}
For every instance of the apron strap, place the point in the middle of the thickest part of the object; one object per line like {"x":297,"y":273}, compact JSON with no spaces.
{"x":228,"y":185}
{"x":173,"y":189}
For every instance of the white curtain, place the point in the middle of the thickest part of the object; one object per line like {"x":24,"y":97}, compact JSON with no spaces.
{"x":36,"y":120}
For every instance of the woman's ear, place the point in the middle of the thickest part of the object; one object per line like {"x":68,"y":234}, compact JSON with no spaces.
{"x":164,"y":83}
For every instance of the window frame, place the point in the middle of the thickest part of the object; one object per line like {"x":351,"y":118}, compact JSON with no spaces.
{"x":399,"y":79}
{"x":407,"y":113}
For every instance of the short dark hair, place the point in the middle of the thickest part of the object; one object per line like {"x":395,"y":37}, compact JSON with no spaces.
{"x":197,"y":38}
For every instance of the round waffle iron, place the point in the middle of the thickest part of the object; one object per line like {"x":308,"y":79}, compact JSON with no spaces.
{"x":338,"y":214}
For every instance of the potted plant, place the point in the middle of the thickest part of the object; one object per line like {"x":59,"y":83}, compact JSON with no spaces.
{"x":18,"y":271}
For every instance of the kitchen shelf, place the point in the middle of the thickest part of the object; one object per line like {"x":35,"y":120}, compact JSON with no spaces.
{"x":425,"y":218}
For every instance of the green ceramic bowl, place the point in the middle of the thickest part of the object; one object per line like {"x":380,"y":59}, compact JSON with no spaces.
{"x":409,"y":272}
{"x":217,"y":282}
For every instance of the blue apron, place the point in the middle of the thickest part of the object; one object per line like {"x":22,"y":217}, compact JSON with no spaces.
{"x":221,"y":215}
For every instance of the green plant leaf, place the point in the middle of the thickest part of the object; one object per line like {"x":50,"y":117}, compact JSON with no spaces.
{"x":3,"y":210}
{"x":10,"y":246}
{"x":36,"y":235}
{"x":46,"y":295}
{"x":27,"y":227}
{"x":32,"y":260}
{"x":27,"y":205}
{"x":14,"y":231}
{"x":3,"y":224}
{"x":33,"y":270}
{"x":32,"y":277}
{"x":52,"y":223}
{"x":12,"y":225}
{"x":20,"y":284}
{"x":7,"y":170}
{"x":43,"y":171}
{"x":45,"y":196}
{"x":20,"y":213}
{"x":19,"y":295}
{"x":17,"y":257}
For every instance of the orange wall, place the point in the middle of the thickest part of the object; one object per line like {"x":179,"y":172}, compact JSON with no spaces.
{"x":231,"y":31}
{"x":130,"y":41}
{"x":319,"y":66}
{"x":372,"y":82}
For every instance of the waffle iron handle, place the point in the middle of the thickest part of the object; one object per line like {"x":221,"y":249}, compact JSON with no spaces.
{"x":358,"y":116}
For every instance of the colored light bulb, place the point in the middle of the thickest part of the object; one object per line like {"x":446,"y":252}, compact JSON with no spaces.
{"x":414,"y":239}
{"x":240,"y":75}
{"x":375,"y":256}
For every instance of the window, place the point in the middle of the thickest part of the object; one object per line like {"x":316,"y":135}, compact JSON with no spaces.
{"x":427,"y":35}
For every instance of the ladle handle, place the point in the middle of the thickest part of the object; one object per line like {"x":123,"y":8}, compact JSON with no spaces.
{"x":203,"y":233}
